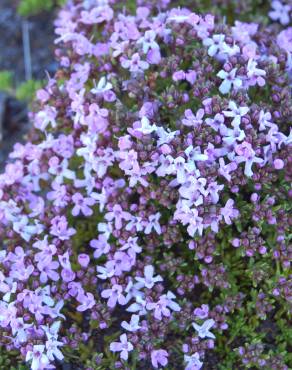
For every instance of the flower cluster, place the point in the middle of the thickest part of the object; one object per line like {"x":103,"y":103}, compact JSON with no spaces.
{"x":157,"y":170}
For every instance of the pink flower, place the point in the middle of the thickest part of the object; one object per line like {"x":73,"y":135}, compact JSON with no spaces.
{"x":159,"y":358}
{"x":123,"y":346}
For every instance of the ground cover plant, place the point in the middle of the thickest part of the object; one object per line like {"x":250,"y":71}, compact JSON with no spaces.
{"x":146,"y":222}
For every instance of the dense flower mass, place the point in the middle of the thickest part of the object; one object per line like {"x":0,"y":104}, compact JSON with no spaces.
{"x":146,"y":220}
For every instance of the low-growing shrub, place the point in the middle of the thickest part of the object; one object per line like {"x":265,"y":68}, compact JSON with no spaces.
{"x":146,"y":222}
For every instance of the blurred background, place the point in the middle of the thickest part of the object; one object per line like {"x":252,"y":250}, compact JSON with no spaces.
{"x":26,"y":57}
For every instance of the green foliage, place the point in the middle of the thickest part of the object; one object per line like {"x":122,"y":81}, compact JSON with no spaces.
{"x":6,"y":81}
{"x":28,"y":8}
{"x":10,"y":360}
{"x":26,"y":91}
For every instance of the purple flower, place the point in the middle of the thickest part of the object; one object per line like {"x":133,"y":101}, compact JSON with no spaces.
{"x":101,"y":246}
{"x":192,"y":120}
{"x":228,"y":212}
{"x":254,"y":74}
{"x":60,"y":228}
{"x":193,"y":362}
{"x":202,"y":312}
{"x":131,"y":244}
{"x":215,"y":122}
{"x":52,"y":349}
{"x":284,"y":39}
{"x":48,"y":271}
{"x":247,"y":154}
{"x":148,"y":41}
{"x":121,"y":262}
{"x":68,"y":275}
{"x":163,"y":306}
{"x":59,"y":195}
{"x":133,"y":325}
{"x":118,"y":215}
{"x":82,"y":205}
{"x":123,"y":346}
{"x":60,"y":170}
{"x":178,"y":75}
{"x":159,"y":358}
{"x":148,"y":280}
{"x":225,"y":169}
{"x":114,"y":295}
{"x":87,"y":301}
{"x":280,"y":12}
{"x":135,"y":64}
{"x":64,"y":146}
{"x":83,"y":260}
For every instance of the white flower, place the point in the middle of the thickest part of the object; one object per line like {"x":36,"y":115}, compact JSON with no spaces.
{"x":102,"y":86}
{"x":38,"y":357}
{"x":148,"y":41}
{"x":165,"y":137}
{"x":236,"y":113}
{"x":146,"y":128}
{"x":139,"y":306}
{"x":133,"y":325}
{"x":203,"y":330}
{"x":52,"y":349}
{"x":229,"y":80}
{"x":264,"y":120}
{"x":215,"y":44}
{"x":149,"y":280}
{"x":153,"y":224}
